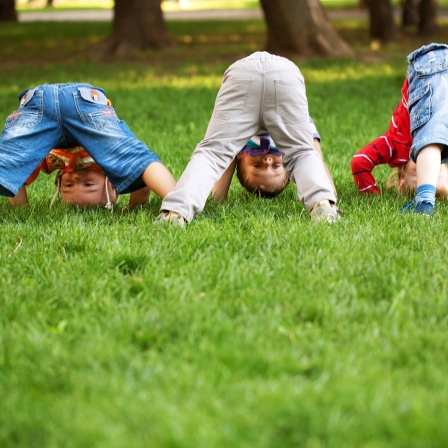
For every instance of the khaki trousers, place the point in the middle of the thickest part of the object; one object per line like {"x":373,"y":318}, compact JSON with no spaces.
{"x":259,"y":92}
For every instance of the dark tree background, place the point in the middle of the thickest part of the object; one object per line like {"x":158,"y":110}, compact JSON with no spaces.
{"x":409,"y":12}
{"x":294,"y":27}
{"x":8,"y":11}
{"x":427,"y":24}
{"x":419,"y":13}
{"x":301,"y":28}
{"x":381,"y":19}
{"x":137,"y":25}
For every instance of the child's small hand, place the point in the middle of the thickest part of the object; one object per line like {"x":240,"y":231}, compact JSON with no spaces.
{"x":20,"y":199}
{"x":138,"y":199}
{"x":132,"y":208}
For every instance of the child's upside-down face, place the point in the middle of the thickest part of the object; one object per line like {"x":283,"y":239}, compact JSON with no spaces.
{"x":86,"y":188}
{"x":410,"y":178}
{"x":263,"y":171}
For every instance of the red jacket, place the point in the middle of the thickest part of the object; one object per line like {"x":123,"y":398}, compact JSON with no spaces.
{"x":392,"y":148}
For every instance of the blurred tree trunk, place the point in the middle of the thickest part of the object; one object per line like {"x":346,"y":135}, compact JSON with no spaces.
{"x":428,"y":15}
{"x":409,"y":12}
{"x":381,"y":17}
{"x":301,"y":28}
{"x":49,"y":2}
{"x":137,"y":25}
{"x":8,"y":11}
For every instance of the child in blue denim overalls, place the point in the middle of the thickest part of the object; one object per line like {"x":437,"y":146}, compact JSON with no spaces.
{"x":76,"y":114}
{"x":79,"y":181}
{"x":428,"y":111}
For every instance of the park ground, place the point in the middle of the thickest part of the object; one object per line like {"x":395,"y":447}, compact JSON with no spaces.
{"x":254,"y":327}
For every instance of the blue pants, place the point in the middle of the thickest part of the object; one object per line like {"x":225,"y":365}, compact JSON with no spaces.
{"x":428,"y":97}
{"x":70,"y":114}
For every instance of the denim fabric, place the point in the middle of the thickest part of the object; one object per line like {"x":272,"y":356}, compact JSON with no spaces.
{"x":55,"y":115}
{"x":260,"y":92}
{"x":428,"y":97}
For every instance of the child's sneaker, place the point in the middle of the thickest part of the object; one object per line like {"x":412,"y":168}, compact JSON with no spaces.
{"x":324,"y":211}
{"x":421,"y":208}
{"x":424,"y":208}
{"x":170,"y":218}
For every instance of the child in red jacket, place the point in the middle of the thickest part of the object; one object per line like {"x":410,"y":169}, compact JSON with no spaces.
{"x":393,"y":148}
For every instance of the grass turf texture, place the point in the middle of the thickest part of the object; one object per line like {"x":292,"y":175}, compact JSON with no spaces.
{"x":255,"y":327}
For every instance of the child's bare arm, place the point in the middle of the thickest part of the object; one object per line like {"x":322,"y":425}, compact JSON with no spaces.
{"x":319,"y":151}
{"x":138,"y":198}
{"x":20,"y":199}
{"x":221,"y":187}
{"x":159,"y":179}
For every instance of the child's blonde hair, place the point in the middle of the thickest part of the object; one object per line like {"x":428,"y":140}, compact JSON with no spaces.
{"x":396,"y":180}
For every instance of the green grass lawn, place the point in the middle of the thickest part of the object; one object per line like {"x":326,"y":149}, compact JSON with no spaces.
{"x":254,"y":327}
